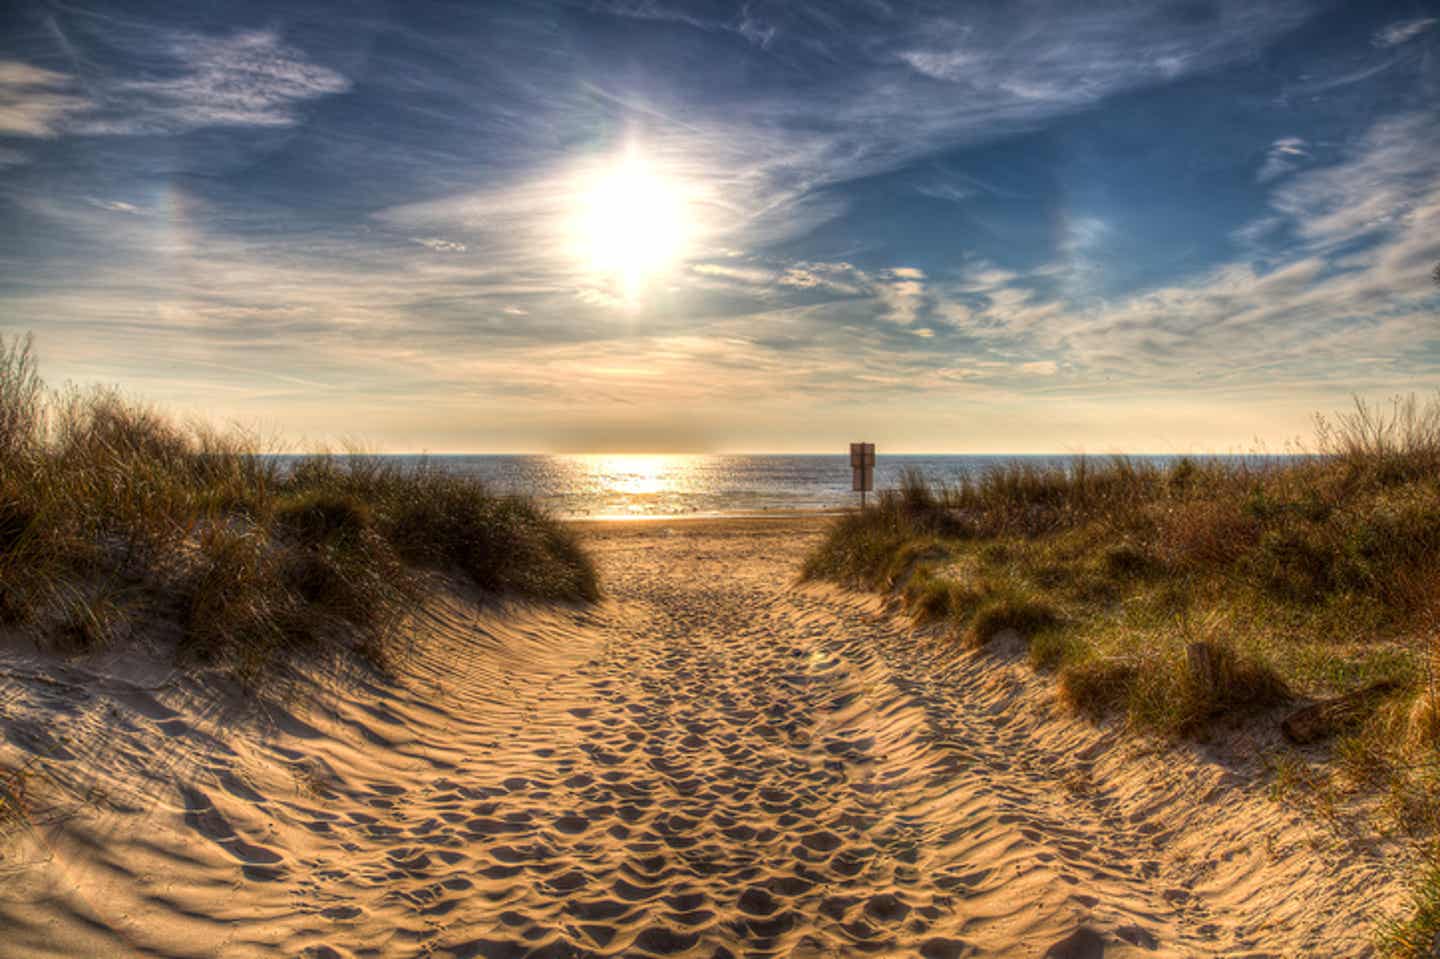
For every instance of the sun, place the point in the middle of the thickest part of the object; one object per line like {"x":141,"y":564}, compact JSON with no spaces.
{"x":632,"y":222}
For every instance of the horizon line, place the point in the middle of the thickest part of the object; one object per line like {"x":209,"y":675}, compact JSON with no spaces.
{"x":1052,"y":454}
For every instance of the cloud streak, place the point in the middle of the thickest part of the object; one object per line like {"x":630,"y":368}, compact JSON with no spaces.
{"x":1354,"y":289}
{"x":1284,"y":156}
{"x":243,"y":79}
{"x":249,"y":78}
{"x":35,"y":102}
{"x":1402,"y":31}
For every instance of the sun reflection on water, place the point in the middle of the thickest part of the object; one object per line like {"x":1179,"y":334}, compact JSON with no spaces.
{"x":640,"y":474}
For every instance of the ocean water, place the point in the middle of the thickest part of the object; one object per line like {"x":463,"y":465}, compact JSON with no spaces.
{"x":634,"y":486}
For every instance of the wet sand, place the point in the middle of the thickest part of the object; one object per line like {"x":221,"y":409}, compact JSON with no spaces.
{"x":715,"y":761}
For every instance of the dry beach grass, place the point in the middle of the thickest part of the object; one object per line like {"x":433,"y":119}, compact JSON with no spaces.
{"x":116,"y":521}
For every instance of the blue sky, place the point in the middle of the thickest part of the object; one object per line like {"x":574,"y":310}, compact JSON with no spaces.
{"x":634,"y":225}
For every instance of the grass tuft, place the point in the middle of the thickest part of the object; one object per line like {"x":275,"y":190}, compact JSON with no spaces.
{"x":1209,"y":680}
{"x":1415,"y":935}
{"x":1126,"y":559}
{"x":1098,"y":685}
{"x":1012,"y":612}
{"x":320,"y":517}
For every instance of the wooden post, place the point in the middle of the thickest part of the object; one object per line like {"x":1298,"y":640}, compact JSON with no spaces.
{"x":862,"y":469}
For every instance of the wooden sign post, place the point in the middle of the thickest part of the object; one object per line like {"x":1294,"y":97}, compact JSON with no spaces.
{"x":862,"y":469}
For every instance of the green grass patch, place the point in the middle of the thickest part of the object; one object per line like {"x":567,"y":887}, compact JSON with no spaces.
{"x":1009,"y":611}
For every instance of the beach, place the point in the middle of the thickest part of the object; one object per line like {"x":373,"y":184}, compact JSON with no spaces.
{"x":715,"y":760}
{"x":552,"y":479}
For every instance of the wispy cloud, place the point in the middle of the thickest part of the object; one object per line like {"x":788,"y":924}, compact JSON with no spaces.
{"x":1285,"y":155}
{"x":244,"y":79}
{"x":1356,"y":286}
{"x":1392,"y":170}
{"x":839,"y":278}
{"x":750,"y":276}
{"x":1403,"y":30}
{"x":439,"y":245}
{"x":902,"y":291}
{"x":35,"y":102}
{"x":114,"y":206}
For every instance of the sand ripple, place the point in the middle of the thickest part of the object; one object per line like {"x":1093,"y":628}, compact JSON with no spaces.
{"x":714,"y":763}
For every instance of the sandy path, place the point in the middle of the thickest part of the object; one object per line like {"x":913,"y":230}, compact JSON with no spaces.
{"x":716,"y":762}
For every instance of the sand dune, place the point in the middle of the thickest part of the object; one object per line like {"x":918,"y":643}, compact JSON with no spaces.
{"x":714,"y":762}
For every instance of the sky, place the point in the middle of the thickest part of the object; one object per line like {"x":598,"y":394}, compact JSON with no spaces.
{"x":643,"y":225}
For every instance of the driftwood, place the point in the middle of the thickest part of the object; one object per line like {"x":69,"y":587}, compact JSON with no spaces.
{"x":1327,"y":717}
{"x":1224,"y":679}
{"x":1206,"y":667}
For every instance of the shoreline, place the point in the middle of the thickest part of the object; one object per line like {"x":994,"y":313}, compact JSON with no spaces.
{"x":789,"y":515}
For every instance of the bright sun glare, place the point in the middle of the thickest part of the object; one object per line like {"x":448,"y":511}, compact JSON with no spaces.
{"x":632,"y":223}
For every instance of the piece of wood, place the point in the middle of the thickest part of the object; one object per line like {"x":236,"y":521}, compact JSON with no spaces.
{"x":1323,"y":719}
{"x":1204,"y":663}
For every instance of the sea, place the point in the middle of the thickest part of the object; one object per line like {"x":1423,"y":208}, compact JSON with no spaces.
{"x":636,"y":486}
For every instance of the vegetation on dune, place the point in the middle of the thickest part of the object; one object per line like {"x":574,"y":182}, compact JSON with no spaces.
{"x":1306,"y":576}
{"x":1183,"y":594}
{"x":114,"y":519}
{"x":1415,"y":935}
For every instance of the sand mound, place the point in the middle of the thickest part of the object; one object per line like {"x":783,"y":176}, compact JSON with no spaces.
{"x":715,"y":762}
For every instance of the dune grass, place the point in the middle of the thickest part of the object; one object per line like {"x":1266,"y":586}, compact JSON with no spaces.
{"x":115,"y":521}
{"x":1201,"y":591}
{"x":1415,"y":934}
{"x":1306,"y":576}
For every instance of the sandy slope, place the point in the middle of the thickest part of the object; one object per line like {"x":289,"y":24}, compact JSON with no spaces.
{"x":715,"y":762}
